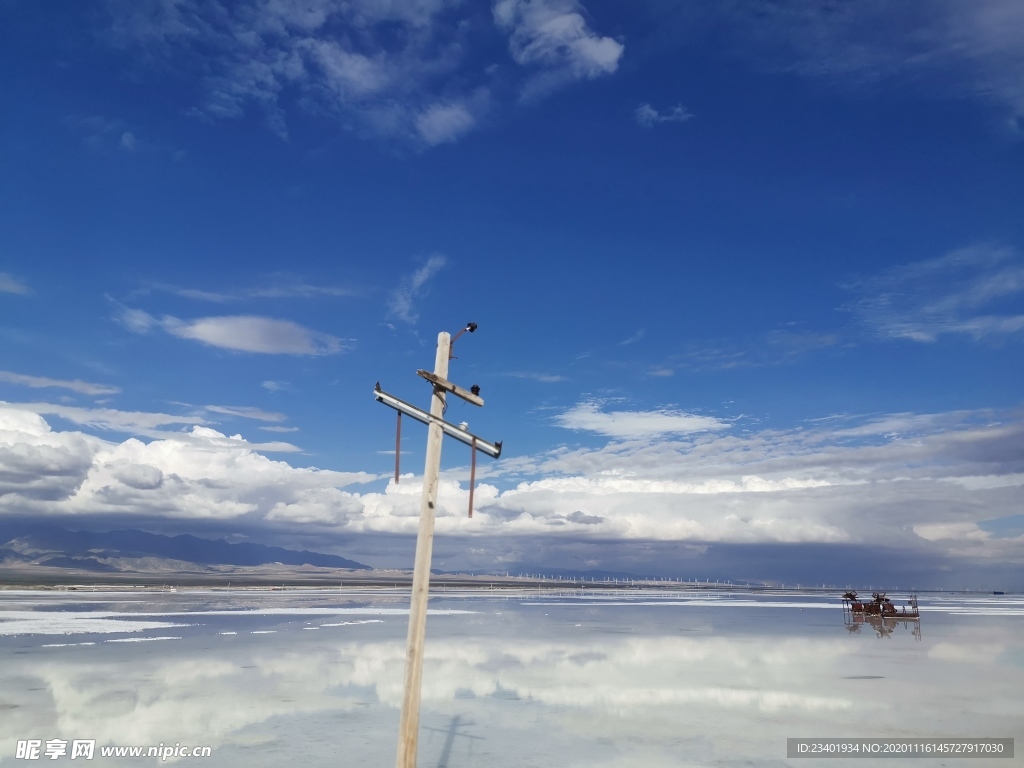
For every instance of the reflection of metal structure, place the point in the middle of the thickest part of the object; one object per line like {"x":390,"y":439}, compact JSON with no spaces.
{"x":880,"y":605}
{"x":880,"y":614}
{"x":883,"y":625}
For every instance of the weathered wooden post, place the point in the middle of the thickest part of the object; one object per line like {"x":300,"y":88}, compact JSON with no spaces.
{"x":437,"y":427}
{"x":408,"y":727}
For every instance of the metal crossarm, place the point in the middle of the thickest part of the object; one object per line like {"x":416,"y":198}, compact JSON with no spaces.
{"x":452,"y":430}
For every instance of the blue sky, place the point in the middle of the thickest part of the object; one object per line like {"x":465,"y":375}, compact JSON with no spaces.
{"x":749,"y":277}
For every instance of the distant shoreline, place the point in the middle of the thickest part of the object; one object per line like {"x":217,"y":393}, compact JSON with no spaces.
{"x":263,"y":579}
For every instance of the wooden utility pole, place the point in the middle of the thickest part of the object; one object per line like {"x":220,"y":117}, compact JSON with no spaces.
{"x":408,"y":728}
{"x":437,"y":428}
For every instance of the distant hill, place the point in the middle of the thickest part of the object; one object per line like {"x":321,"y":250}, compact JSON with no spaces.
{"x":56,"y":547}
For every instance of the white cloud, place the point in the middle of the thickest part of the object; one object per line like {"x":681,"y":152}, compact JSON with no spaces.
{"x":199,"y":474}
{"x":246,"y":412}
{"x":277,"y":289}
{"x":974,"y":292}
{"x":244,"y":333}
{"x":41,"y":382}
{"x":280,"y":429}
{"x":265,"y":335}
{"x":442,"y":123}
{"x":630,"y":424}
{"x":109,"y":418}
{"x":402,"y":301}
{"x":544,"y":378}
{"x":648,"y":116}
{"x":411,"y":71}
{"x":10,"y":284}
{"x":273,"y":386}
{"x":128,"y":141}
{"x":950,"y":531}
{"x":930,"y":488}
{"x":553,"y":37}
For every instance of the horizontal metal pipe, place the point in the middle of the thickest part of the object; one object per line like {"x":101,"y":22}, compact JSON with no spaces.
{"x":491,"y":449}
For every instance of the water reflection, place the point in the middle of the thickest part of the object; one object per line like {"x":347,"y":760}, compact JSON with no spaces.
{"x":883,"y":626}
{"x":511,"y":681}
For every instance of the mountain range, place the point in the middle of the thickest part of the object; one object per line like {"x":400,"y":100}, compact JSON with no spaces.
{"x":43,"y":544}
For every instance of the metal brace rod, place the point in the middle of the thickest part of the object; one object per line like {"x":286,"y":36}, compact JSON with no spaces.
{"x":398,"y":445}
{"x":491,"y":449}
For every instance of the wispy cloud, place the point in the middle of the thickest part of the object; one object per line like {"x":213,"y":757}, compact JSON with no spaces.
{"x":276,"y":289}
{"x":245,"y":412}
{"x":274,"y":386}
{"x":444,"y":123}
{"x":554,"y":39}
{"x":10,"y":284}
{"x":402,"y":304}
{"x":280,"y":429}
{"x":101,"y":132}
{"x":243,"y":333}
{"x":648,"y":116}
{"x":638,"y":336}
{"x":42,"y":382}
{"x":544,"y":378}
{"x":947,"y":49}
{"x":974,"y":292}
{"x":108,"y":135}
{"x":589,"y":417}
{"x":775,"y":347}
{"x":408,"y":71}
{"x":140,"y":422}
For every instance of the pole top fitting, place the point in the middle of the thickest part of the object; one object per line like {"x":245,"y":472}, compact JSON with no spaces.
{"x":471,"y":327}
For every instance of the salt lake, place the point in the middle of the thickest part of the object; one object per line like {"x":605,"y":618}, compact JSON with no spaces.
{"x":603,"y":679}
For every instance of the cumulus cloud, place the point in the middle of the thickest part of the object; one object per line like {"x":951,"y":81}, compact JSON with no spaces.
{"x":243,"y":333}
{"x":648,"y":116}
{"x":973,"y":292}
{"x":36,"y":464}
{"x":10,"y":284}
{"x":402,"y":304}
{"x":200,"y":474}
{"x":553,"y":38}
{"x":75,"y":385}
{"x":930,"y":485}
{"x":589,"y":417}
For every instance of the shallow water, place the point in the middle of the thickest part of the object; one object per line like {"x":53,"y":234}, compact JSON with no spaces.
{"x":314,"y":677}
